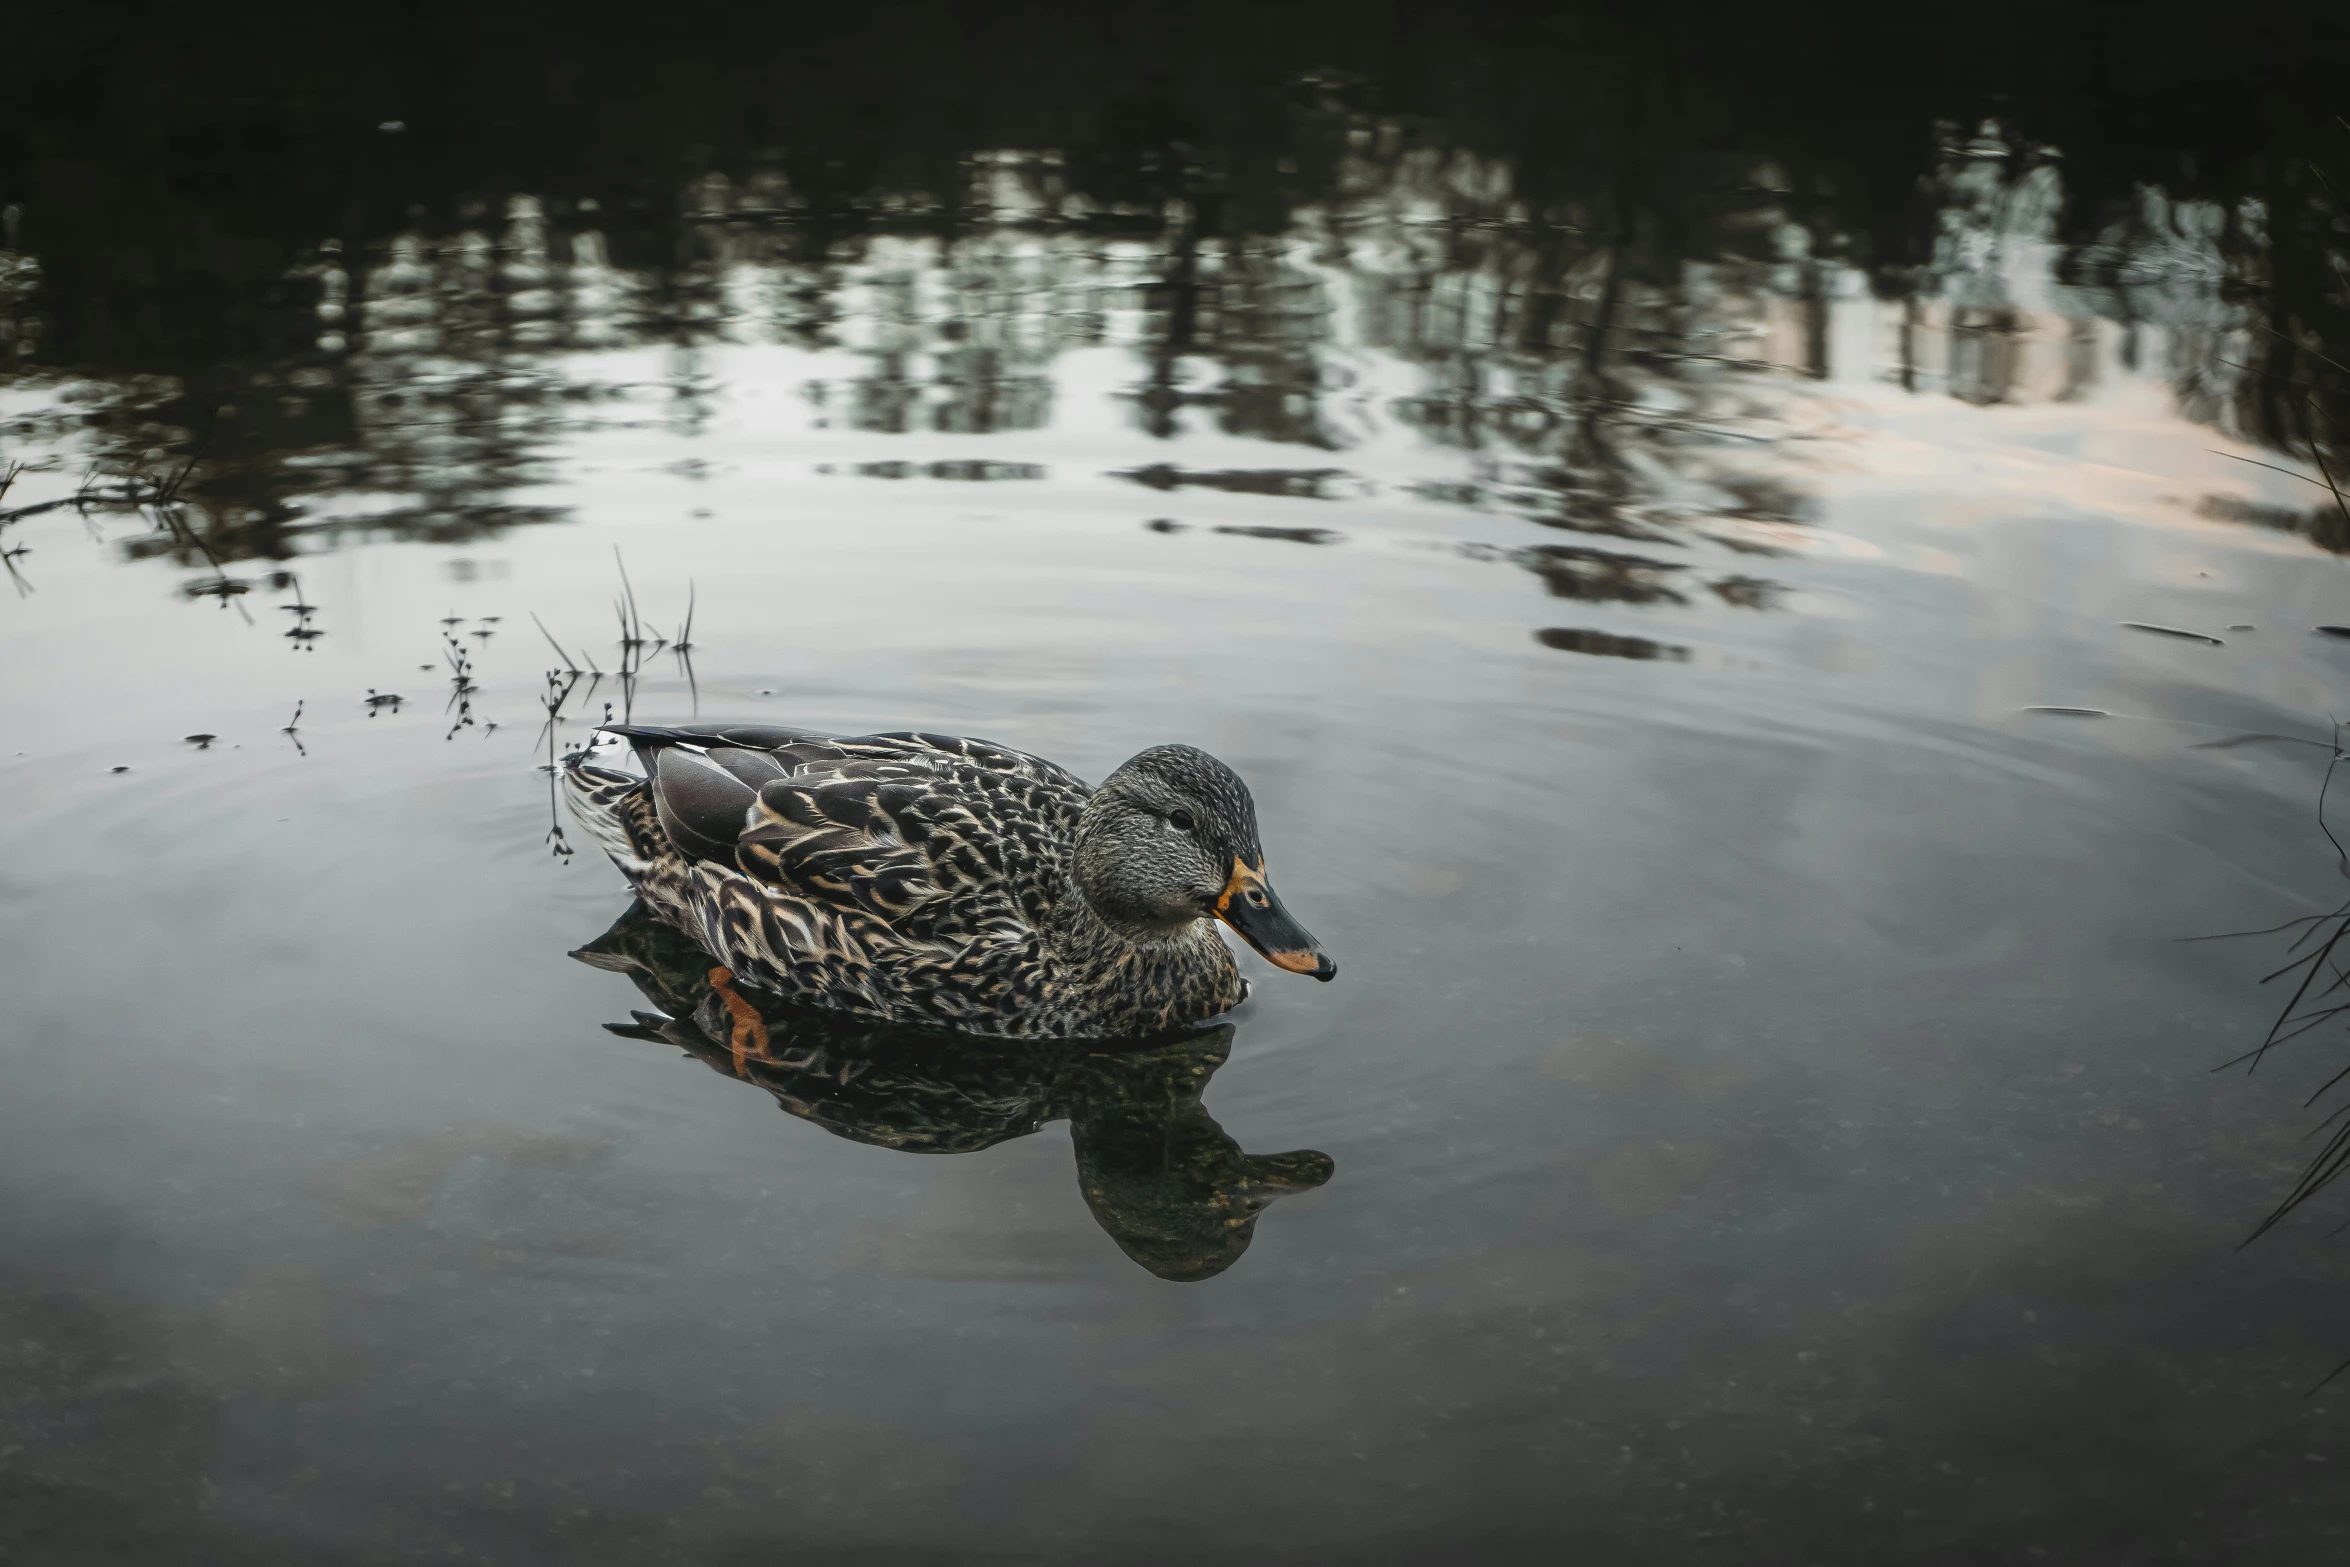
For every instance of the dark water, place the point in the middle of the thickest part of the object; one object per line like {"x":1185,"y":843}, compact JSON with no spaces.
{"x":1651,"y":507}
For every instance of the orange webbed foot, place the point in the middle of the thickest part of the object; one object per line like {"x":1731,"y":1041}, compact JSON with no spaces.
{"x":748,"y":1036}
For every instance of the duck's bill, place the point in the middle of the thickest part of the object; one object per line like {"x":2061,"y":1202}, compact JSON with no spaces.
{"x":1250,"y":906}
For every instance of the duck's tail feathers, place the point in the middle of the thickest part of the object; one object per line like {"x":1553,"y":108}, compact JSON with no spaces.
{"x":650,"y":739}
{"x":599,"y":799}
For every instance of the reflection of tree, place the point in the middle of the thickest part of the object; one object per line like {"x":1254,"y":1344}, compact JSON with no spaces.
{"x":2298,"y":397}
{"x":449,"y":377}
{"x":1160,"y":1176}
{"x":1601,"y":327}
{"x":2234,"y":301}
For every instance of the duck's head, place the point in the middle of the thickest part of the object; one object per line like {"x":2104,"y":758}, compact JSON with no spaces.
{"x":1171,"y":838}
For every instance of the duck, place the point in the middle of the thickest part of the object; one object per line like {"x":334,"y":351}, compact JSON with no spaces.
{"x":945,"y":882}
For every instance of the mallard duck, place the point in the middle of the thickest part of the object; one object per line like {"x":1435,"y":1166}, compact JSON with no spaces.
{"x":945,"y":882}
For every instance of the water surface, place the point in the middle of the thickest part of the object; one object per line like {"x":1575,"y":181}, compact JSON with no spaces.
{"x":1677,"y":639}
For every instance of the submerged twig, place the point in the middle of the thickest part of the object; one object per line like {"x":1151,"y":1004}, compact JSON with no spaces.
{"x":2311,"y":1006}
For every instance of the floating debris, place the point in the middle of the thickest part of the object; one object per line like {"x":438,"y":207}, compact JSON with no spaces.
{"x":2334,"y":631}
{"x":1606,"y":644}
{"x":200,"y":742}
{"x":1286,"y":535}
{"x":2256,"y":739}
{"x":969,"y":469}
{"x":2172,"y":631}
{"x":1744,"y":592}
{"x":118,"y":769}
{"x":2069,"y":712}
{"x":377,"y":701}
{"x":1326,"y":484}
{"x":222,"y":588}
{"x":2246,"y":626}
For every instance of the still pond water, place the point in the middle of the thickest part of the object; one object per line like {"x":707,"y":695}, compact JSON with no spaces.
{"x":1766,"y":1097}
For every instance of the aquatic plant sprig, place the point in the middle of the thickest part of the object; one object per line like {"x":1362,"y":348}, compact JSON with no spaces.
{"x":462,"y":685}
{"x":302,"y":633}
{"x":90,"y":495}
{"x":564,"y":683}
{"x":632,"y":625}
{"x":162,"y":497}
{"x":559,"y":687}
{"x":11,"y":554}
{"x":2312,"y":1005}
{"x":683,"y":647}
{"x":136,"y":492}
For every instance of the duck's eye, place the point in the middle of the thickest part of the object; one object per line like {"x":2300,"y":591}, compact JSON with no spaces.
{"x":1179,"y":819}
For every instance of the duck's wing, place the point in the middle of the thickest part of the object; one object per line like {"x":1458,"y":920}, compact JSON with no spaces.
{"x":985,"y":755}
{"x":793,"y":747}
{"x":939,"y":848}
{"x":930,"y":842}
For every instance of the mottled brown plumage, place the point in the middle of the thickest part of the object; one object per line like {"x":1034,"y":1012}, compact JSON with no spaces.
{"x":947,"y":882}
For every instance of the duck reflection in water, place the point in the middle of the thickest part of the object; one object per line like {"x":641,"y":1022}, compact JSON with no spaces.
{"x":1175,"y":1193}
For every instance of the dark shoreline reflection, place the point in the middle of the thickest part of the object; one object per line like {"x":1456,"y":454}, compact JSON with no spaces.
{"x":1159,"y":1175}
{"x":1614,"y":374}
{"x":1647,"y":366}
